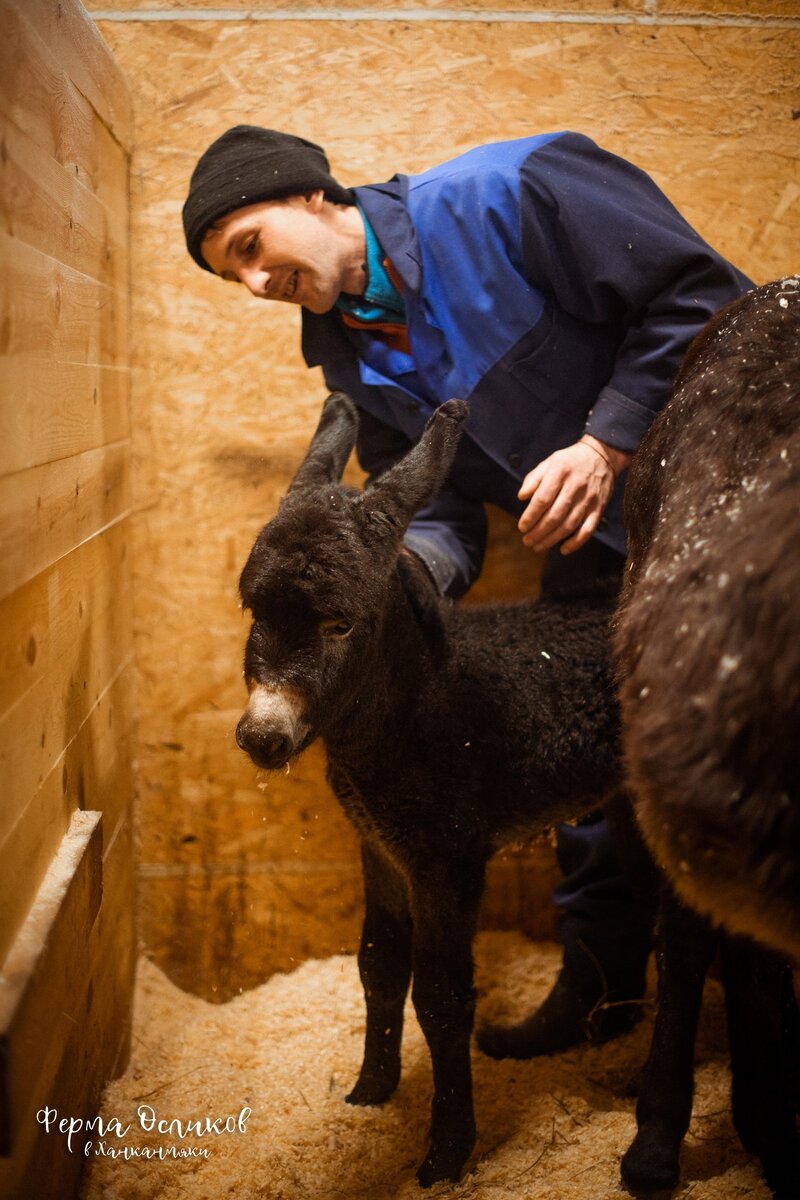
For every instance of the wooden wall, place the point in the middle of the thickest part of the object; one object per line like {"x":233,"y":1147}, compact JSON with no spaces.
{"x":236,"y":882}
{"x":66,"y":852}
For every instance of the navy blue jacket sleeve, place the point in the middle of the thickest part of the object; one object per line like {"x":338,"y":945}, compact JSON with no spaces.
{"x":599,"y":236}
{"x":448,"y":533}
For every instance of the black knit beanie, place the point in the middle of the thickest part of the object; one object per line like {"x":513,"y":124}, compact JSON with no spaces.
{"x":247,"y":165}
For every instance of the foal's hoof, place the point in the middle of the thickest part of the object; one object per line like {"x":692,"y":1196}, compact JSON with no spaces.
{"x":650,"y":1165}
{"x":370,"y":1092}
{"x":437,"y":1168}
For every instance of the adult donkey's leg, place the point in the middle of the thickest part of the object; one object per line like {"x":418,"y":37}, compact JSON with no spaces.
{"x":762,"y":1019}
{"x":685,"y":946}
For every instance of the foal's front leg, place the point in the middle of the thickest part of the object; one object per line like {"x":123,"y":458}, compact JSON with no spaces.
{"x":445,"y":907}
{"x":384,"y":963}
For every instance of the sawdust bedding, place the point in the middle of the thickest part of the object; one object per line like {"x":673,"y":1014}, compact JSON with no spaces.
{"x":290,"y":1050}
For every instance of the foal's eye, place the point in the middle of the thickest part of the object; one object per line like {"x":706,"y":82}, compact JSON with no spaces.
{"x":335,"y":628}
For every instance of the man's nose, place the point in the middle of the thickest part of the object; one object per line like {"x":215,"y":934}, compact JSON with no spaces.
{"x":256,"y":280}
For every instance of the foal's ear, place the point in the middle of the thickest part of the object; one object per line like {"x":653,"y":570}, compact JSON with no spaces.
{"x":396,"y":496}
{"x":331,"y":444}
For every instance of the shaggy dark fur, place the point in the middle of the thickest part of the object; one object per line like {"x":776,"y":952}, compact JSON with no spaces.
{"x":708,"y":644}
{"x":449,"y":732}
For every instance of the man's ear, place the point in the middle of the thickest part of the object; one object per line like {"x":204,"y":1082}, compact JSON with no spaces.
{"x":314,"y":200}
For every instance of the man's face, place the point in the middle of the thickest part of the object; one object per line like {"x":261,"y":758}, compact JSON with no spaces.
{"x":296,"y":250}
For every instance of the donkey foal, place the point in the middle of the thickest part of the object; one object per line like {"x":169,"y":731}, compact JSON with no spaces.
{"x":449,"y":732}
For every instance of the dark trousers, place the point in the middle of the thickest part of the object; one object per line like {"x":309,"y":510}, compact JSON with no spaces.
{"x":596,"y":902}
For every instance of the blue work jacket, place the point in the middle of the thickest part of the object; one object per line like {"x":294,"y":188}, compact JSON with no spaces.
{"x":549,"y":283}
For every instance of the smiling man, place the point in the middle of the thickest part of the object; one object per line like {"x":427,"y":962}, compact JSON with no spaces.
{"x":553,"y":286}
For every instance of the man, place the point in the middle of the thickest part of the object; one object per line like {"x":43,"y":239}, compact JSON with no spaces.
{"x":553,"y":286}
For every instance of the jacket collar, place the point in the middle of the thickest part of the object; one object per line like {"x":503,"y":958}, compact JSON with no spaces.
{"x":324,"y":337}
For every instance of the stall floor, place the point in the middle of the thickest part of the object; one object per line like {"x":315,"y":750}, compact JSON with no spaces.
{"x":289,"y":1051}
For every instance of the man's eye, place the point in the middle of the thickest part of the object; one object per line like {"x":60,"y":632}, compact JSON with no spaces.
{"x":337,"y":628}
{"x":250,"y":246}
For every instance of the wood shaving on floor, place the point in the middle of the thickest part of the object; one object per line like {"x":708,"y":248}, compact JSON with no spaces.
{"x":553,"y":1128}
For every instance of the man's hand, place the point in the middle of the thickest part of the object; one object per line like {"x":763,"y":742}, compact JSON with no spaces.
{"x":568,"y":492}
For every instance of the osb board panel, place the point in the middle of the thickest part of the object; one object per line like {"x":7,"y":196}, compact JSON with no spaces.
{"x":224,"y":406}
{"x":779,"y":9}
{"x":217,"y":933}
{"x":206,"y":804}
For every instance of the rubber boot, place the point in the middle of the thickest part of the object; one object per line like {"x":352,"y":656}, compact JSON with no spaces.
{"x":596,"y":997}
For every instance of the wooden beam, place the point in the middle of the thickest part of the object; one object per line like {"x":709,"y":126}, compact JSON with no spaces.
{"x":82,"y":982}
{"x":94,"y":772}
{"x":46,"y":969}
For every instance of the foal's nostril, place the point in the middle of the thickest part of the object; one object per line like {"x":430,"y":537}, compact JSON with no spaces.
{"x":275,"y":748}
{"x":270,"y":749}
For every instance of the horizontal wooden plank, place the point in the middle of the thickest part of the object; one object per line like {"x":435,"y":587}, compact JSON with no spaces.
{"x":45,"y":968}
{"x":51,"y":409}
{"x":39,"y":97}
{"x":45,"y":204}
{"x":47,"y":511}
{"x":85,"y":985}
{"x":43,"y":622}
{"x":36,"y":731}
{"x":73,"y":38}
{"x":94,"y":772}
{"x":48,"y":307}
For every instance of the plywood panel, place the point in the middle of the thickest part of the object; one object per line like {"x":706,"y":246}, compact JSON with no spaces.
{"x":237,"y":928}
{"x":224,"y":405}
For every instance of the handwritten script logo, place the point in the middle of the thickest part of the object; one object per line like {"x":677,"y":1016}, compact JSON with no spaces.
{"x":148,"y":1121}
